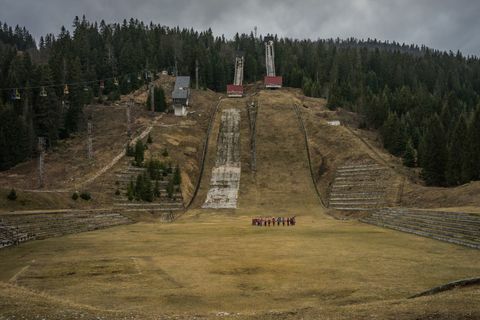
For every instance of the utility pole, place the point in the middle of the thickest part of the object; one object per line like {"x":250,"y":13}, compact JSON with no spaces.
{"x":176,"y":68}
{"x":196,"y":73}
{"x":41,"y":161}
{"x":129,"y":120}
{"x":90,"y":139}
{"x":152,"y":97}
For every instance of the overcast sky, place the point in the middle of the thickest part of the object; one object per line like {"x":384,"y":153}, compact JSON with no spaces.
{"x":441,"y":24}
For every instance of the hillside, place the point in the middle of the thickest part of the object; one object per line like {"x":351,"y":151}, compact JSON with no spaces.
{"x":68,"y":169}
{"x":328,"y":267}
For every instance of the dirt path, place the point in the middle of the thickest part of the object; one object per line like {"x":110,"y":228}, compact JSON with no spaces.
{"x":107,"y":167}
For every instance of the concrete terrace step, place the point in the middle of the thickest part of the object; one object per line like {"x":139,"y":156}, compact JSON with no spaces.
{"x":366,"y":170}
{"x":346,"y":184}
{"x":465,"y":223}
{"x":424,"y":232}
{"x":439,"y":216}
{"x":348,"y":198}
{"x":464,"y":228}
{"x":357,"y":178}
{"x":453,"y":227}
{"x":446,"y":213}
{"x":42,"y":229}
{"x":358,"y":194}
{"x":176,"y":204}
{"x":346,"y":208}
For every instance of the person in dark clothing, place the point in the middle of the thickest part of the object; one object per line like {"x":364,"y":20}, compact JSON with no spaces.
{"x":283,"y":221}
{"x":288,"y":222}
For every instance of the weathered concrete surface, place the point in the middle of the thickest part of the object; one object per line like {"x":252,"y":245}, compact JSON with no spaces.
{"x":225,"y":181}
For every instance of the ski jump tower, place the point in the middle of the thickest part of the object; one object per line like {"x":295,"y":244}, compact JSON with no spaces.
{"x":235,"y":90}
{"x":271,"y":80}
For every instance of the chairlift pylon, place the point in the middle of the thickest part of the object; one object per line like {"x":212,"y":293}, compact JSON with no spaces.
{"x":16,"y":95}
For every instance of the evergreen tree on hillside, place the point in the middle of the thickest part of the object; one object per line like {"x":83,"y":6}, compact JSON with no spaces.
{"x":160,"y":102}
{"x":457,"y":154}
{"x":410,"y":155}
{"x":434,"y":153}
{"x":474,"y":145}
{"x":393,"y":135}
{"x":139,"y":153}
{"x":48,"y":116}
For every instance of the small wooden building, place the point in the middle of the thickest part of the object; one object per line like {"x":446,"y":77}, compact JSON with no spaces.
{"x":181,"y":95}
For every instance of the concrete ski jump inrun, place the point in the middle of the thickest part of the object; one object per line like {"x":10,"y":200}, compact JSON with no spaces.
{"x":225,"y":181}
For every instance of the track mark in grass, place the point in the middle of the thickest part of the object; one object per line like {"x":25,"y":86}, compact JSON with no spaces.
{"x":16,"y":275}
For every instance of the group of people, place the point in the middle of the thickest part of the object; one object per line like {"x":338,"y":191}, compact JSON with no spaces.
{"x":273,"y":221}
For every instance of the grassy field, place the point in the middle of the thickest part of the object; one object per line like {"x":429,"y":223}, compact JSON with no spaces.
{"x":213,"y":262}
{"x":209,"y":262}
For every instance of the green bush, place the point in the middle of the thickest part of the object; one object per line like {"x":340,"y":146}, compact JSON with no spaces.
{"x":117,"y":192}
{"x":86,"y":196}
{"x":75,"y":196}
{"x":12,"y":195}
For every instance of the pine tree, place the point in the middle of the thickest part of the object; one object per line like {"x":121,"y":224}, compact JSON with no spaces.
{"x":393,"y":135}
{"x":156,"y":190}
{"x":457,"y":154}
{"x":147,"y":190}
{"x":434,"y":153}
{"x":170,"y":188}
{"x":160,"y":102}
{"x":131,"y":191}
{"x":409,"y":157}
{"x":177,"y":178}
{"x":474,"y":145}
{"x":139,"y":153}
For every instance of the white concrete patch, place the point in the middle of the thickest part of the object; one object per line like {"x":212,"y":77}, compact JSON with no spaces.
{"x":180,"y":110}
{"x":334,"y":123}
{"x":225,"y":181}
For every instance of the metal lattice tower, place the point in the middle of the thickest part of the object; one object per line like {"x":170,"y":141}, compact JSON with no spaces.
{"x":129,"y":119}
{"x":270,"y":58}
{"x":152,"y":97}
{"x":41,"y":161}
{"x":196,"y":74}
{"x":90,"y":140}
{"x":239,"y":62}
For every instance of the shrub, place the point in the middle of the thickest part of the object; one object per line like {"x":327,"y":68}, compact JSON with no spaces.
{"x":165,"y":152}
{"x":149,"y":139}
{"x":86,"y":196}
{"x":177,"y":178}
{"x":75,"y":196}
{"x":139,"y":153}
{"x":117,"y":192}
{"x":130,"y":151}
{"x":12,"y":195}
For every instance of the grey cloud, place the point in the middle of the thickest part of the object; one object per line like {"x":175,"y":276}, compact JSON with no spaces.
{"x":441,"y":24}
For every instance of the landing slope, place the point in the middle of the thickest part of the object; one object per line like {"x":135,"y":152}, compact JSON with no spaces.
{"x":282,"y":182}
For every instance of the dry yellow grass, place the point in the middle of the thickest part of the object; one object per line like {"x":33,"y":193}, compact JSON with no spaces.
{"x":215,"y":261}
{"x":210,"y":262}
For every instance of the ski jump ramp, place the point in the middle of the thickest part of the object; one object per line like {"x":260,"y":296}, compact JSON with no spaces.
{"x":225,"y":181}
